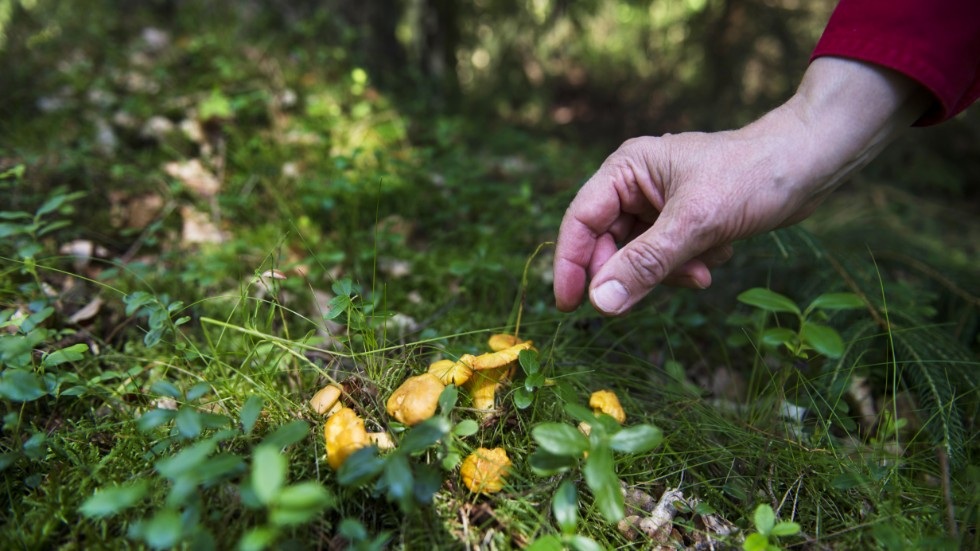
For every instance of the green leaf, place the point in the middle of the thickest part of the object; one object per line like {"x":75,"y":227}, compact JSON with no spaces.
{"x":188,"y":422}
{"x":188,"y":458}
{"x":550,"y":542}
{"x":56,"y":202}
{"x":523,"y":398}
{"x":352,"y":530}
{"x":72,"y":353}
{"x":250,"y":413}
{"x":154,"y":418}
{"x":547,"y":464}
{"x":466,"y":427}
{"x":257,"y":539}
{"x":111,"y":500}
{"x":424,"y":435}
{"x":600,"y":475}
{"x":764,"y":519}
{"x":823,"y":339}
{"x":428,"y":480}
{"x":198,"y":390}
{"x":775,"y":336}
{"x":564,"y":504}
{"x":560,"y":439}
{"x":287,"y":434}
{"x":398,"y":478}
{"x":21,"y":385}
{"x":529,"y":362}
{"x":164,"y":530}
{"x":755,"y":542}
{"x":299,"y":503}
{"x":583,"y":543}
{"x":166,"y":388}
{"x":836,"y":301}
{"x":447,"y":399}
{"x":361,"y":467}
{"x":218,"y":467}
{"x":638,"y":439}
{"x":785,"y":529}
{"x":580,"y":413}
{"x":268,"y":472}
{"x":769,"y":301}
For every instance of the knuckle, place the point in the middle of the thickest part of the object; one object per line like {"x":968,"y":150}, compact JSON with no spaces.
{"x":646,"y":262}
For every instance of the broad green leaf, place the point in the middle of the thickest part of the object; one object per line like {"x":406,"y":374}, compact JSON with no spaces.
{"x":361,"y":467}
{"x":522,"y":398}
{"x":154,"y":418}
{"x":398,"y":478}
{"x":72,"y":353}
{"x":466,"y":427}
{"x":447,"y":399}
{"x":564,"y":504}
{"x":198,"y":390}
{"x":638,"y":439}
{"x":287,"y":435}
{"x":529,"y":362}
{"x":428,"y":480}
{"x":764,"y":519}
{"x":775,"y":336}
{"x":836,"y":301}
{"x":424,"y":435}
{"x":188,"y":422}
{"x":21,"y":385}
{"x":600,"y":475}
{"x":769,"y":301}
{"x":164,"y":530}
{"x":250,"y":413}
{"x":580,"y":413}
{"x":218,"y":467}
{"x":165,"y":388}
{"x":547,"y":464}
{"x":268,"y":472}
{"x":35,"y":448}
{"x":785,"y":529}
{"x":257,"y":539}
{"x":550,"y":542}
{"x":583,"y":543}
{"x":823,"y":339}
{"x":560,"y":439}
{"x":300,"y":502}
{"x":755,"y":542}
{"x":111,"y":500}
{"x":352,"y":530}
{"x":186,"y":460}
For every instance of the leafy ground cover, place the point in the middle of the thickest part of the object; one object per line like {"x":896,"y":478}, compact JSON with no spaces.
{"x":157,"y":368}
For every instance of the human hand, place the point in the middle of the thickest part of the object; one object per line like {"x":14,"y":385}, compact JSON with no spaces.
{"x":676,"y":203}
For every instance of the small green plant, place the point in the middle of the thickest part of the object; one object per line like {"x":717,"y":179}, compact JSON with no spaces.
{"x":767,"y":530}
{"x":533,"y":380}
{"x":810,"y":333}
{"x":564,"y":506}
{"x":562,"y":447}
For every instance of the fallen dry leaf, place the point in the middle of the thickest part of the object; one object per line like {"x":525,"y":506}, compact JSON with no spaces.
{"x":198,"y":228}
{"x":87,"y":312}
{"x":195,"y":176}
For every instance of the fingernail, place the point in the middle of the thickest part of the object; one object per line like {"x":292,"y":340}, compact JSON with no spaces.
{"x":610,"y":297}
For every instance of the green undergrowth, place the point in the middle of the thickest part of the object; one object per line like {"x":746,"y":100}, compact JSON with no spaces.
{"x":157,"y":370}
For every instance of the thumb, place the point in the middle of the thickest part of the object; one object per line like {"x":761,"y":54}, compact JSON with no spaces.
{"x":643,"y":263}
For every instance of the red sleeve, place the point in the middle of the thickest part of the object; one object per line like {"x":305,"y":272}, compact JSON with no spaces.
{"x":935,"y":42}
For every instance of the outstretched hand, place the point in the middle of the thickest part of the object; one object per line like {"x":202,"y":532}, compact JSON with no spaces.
{"x":666,"y":210}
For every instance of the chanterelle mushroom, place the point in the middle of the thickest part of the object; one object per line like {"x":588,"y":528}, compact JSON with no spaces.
{"x":483,"y":471}
{"x":345,"y":434}
{"x":483,"y":386}
{"x":416,"y":399}
{"x":327,"y":400}
{"x":450,"y":372}
{"x":493,"y":360}
{"x":605,"y":401}
{"x":503,"y":341}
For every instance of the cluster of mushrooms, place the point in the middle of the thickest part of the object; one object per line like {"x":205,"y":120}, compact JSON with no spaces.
{"x":417,"y":399}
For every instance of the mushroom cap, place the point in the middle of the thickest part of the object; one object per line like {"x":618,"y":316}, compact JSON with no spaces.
{"x":493,"y":360}
{"x":606,"y":401}
{"x":483,"y":471}
{"x":503,"y":341}
{"x":344,"y":433}
{"x":327,"y":400}
{"x":382,"y":440}
{"x":416,"y":399}
{"x":450,"y":372}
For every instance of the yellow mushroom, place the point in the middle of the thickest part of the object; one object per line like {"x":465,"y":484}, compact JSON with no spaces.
{"x":483,"y":471}
{"x":382,"y":440}
{"x":483,"y":386}
{"x":416,"y":400}
{"x":327,"y":400}
{"x":344,"y":433}
{"x":503,"y":341}
{"x":605,"y":401}
{"x":450,"y":372}
{"x":493,"y":360}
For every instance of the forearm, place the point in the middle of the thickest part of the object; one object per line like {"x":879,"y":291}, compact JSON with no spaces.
{"x":843,"y":114}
